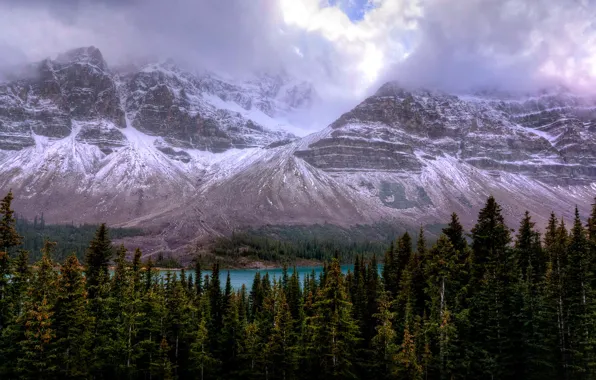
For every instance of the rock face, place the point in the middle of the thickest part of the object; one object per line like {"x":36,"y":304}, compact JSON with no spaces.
{"x":185,"y":110}
{"x":188,"y":155}
{"x":550,"y":137}
{"x":76,"y":85}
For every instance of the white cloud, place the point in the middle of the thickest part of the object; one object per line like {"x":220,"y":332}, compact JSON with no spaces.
{"x":452,"y":44}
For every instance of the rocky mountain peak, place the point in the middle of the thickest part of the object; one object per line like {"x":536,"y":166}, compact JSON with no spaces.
{"x":83,"y":55}
{"x":546,"y":135}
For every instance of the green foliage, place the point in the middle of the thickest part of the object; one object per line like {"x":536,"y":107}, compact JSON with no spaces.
{"x":70,"y":238}
{"x":499,"y":308}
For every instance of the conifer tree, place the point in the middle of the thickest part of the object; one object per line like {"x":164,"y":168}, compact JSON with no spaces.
{"x":150,"y":330}
{"x":230,"y":335}
{"x":591,"y":225}
{"x":8,"y":238}
{"x":37,"y":358}
{"x":215,"y":298}
{"x":494,"y":278}
{"x":334,"y":332}
{"x":162,"y":368}
{"x":71,"y":321}
{"x":581,"y":303}
{"x":201,"y":358}
{"x":455,"y":233}
{"x":20,"y":278}
{"x":8,"y":235}
{"x":442,"y":287}
{"x":250,"y":351}
{"x":177,"y":324}
{"x":384,"y":342}
{"x":373,"y":291}
{"x":294,"y":295}
{"x":97,"y":260}
{"x":198,"y":278}
{"x":529,"y":249}
{"x":280,"y":346}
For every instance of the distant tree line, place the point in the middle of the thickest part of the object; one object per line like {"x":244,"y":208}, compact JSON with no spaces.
{"x":70,"y":238}
{"x":494,"y":307}
{"x":264,"y":247}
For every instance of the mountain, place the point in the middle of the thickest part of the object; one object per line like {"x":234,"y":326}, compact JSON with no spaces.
{"x":188,"y":155}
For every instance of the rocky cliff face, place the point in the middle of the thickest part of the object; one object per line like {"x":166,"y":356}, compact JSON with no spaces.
{"x":549,"y":137}
{"x":185,"y":110}
{"x":188,"y":155}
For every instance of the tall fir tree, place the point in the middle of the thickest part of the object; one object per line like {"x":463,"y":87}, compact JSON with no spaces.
{"x":97,"y":261}
{"x":334,"y":333}
{"x":37,"y":358}
{"x":581,"y":302}
{"x":8,"y":235}
{"x":71,"y":321}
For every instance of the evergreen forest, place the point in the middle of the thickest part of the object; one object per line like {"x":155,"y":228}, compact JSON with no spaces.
{"x":490,"y":303}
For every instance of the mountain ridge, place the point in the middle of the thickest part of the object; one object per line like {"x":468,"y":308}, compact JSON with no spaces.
{"x":188,"y":157}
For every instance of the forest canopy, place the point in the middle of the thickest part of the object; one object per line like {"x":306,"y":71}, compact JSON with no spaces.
{"x":480,"y":304}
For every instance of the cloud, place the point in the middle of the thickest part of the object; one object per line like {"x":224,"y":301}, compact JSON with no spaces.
{"x":505,"y":43}
{"x":455,"y":45}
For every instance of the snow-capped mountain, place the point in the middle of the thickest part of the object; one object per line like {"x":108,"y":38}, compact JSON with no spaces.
{"x":187,"y":155}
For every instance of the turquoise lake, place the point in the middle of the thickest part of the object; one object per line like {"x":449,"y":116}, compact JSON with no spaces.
{"x":239,"y":277}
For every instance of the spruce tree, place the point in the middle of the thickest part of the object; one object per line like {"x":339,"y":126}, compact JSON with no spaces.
{"x":455,"y":233}
{"x":529,"y":250}
{"x":97,"y":260}
{"x":37,"y":358}
{"x":8,"y":238}
{"x":71,"y":321}
{"x":581,"y":301}
{"x":201,"y":358}
{"x":281,"y":344}
{"x":384,"y":342}
{"x":494,"y":275}
{"x":334,"y":332}
{"x":8,"y":235}
{"x":441,"y":272}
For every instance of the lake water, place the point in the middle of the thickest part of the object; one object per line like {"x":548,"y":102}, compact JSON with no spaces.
{"x":239,"y":277}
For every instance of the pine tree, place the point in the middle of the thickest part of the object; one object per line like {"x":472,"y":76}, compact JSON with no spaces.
{"x":441,"y":272}
{"x":294,"y":295}
{"x":529,"y":250}
{"x":373,"y":291}
{"x":8,"y":239}
{"x":198,"y":278}
{"x":455,"y":234}
{"x":153,"y":310}
{"x":201,"y":358}
{"x":384,"y":342}
{"x":71,"y":321}
{"x":97,"y":260}
{"x":250,"y":351}
{"x":280,"y":346}
{"x":591,"y":225}
{"x":15,"y":301}
{"x":177,"y":324}
{"x":534,"y":350}
{"x":334,"y":332}
{"x":37,"y":356}
{"x":8,"y":235}
{"x":581,"y":302}
{"x":215,"y":298}
{"x":229,"y":336}
{"x":162,"y":367}
{"x":494,"y":276}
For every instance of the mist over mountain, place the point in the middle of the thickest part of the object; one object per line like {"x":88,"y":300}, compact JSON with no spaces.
{"x":194,"y":119}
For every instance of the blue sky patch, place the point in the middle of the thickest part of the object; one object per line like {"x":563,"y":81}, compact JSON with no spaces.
{"x":354,"y":9}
